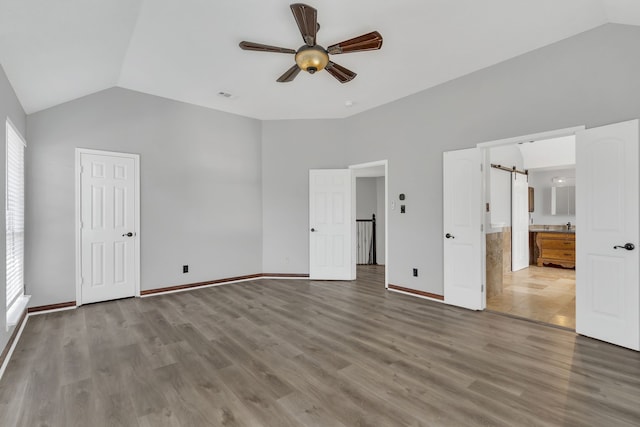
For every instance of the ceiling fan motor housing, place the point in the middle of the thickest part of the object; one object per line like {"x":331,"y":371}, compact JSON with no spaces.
{"x":312,"y":58}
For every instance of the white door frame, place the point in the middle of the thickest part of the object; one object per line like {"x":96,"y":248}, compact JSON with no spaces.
{"x":484,"y":155}
{"x":78,"y":216}
{"x":384,"y":163}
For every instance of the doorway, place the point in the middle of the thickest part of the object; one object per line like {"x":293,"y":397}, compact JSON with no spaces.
{"x":608,"y":207}
{"x":371,"y":197}
{"x":530,"y":240}
{"x":107,"y":225}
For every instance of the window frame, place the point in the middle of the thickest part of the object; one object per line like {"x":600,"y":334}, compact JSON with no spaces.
{"x":15,"y":298}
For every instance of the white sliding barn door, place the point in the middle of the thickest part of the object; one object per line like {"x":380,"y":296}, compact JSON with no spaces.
{"x":330,"y":224}
{"x":462,"y":232}
{"x":607,"y":218}
{"x":519,"y":221}
{"x":108,"y":235}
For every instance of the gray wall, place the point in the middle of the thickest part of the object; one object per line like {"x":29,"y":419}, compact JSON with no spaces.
{"x":367,"y":197}
{"x":289,"y":149}
{"x":370,"y":200}
{"x":541,"y":182}
{"x":204,"y":172}
{"x":591,"y":79}
{"x":9,"y":108}
{"x":200,"y":189}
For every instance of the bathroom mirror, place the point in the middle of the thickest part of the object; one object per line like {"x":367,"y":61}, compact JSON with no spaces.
{"x":563,"y":200}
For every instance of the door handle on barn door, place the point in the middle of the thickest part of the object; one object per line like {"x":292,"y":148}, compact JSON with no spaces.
{"x":129,"y":234}
{"x":627,"y":246}
{"x":449,"y":236}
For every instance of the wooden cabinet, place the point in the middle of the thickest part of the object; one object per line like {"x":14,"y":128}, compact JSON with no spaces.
{"x":557,"y":249}
{"x":534,"y":252}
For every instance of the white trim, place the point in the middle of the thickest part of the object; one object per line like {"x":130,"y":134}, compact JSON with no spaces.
{"x":13,"y":347}
{"x":15,"y":311}
{"x":384,"y":163}
{"x":136,"y":251}
{"x":53,"y":310}
{"x":369,"y":164}
{"x":76,"y":224}
{"x":532,"y":137}
{"x":486,"y":167}
{"x":193,"y":288}
{"x":136,"y":219}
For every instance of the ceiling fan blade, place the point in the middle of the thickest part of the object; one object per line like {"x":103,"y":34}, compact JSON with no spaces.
{"x":370,"y":41}
{"x":289,"y":75}
{"x":307,"y":20}
{"x":244,"y":45}
{"x":339,"y":72}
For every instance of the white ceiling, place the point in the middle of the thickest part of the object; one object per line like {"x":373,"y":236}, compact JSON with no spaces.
{"x":548,"y":154}
{"x":187,"y":50}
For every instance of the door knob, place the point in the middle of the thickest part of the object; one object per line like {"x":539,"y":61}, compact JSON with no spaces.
{"x":627,"y":246}
{"x":313,"y":229}
{"x":449,"y":236}
{"x":129,"y":234}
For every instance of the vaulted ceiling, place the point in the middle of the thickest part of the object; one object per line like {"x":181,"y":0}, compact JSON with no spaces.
{"x":187,"y":50}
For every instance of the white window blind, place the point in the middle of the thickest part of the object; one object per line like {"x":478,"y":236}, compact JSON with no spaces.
{"x":15,"y":215}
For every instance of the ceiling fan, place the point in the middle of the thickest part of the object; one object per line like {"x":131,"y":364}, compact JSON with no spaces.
{"x":312,"y":57}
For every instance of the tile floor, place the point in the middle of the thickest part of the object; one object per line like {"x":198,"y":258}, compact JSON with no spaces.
{"x":544,"y":294}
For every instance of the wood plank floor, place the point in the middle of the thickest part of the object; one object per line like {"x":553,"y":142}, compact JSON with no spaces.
{"x":310,"y":353}
{"x":544,"y":294}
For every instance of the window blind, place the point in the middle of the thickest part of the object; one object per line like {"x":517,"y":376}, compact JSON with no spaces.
{"x":15,"y":215}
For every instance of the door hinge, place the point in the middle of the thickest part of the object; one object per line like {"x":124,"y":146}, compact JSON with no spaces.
{"x":481,"y":167}
{"x":481,"y":288}
{"x":481,"y":227}
{"x":81,"y":169}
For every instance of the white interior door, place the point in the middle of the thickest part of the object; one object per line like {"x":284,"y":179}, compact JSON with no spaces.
{"x":108,"y":235}
{"x":519,"y":221}
{"x":607,"y":218}
{"x":462,"y":221}
{"x":330,"y":224}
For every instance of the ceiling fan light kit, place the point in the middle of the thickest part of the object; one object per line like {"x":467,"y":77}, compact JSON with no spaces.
{"x":312,"y":57}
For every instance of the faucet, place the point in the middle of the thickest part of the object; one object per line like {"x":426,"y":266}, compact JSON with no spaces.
{"x":569,"y":225}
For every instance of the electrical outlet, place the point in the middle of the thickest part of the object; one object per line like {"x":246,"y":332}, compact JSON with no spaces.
{"x":415,"y":272}
{"x":185,"y":268}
